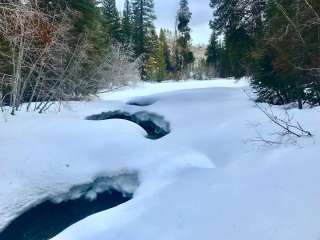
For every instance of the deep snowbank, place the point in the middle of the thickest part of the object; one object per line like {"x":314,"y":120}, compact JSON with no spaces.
{"x":202,"y":181}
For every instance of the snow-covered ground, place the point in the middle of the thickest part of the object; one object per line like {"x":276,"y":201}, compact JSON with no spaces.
{"x":205,"y":180}
{"x":147,"y":88}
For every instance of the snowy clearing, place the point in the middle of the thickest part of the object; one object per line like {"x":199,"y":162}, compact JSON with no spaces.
{"x":204,"y":180}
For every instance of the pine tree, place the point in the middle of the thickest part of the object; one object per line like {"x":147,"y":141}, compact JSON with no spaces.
{"x":185,"y":56}
{"x":143,"y":18}
{"x":212,"y":50}
{"x":152,"y":63}
{"x":183,"y":20}
{"x":168,"y":57}
{"x":212,"y":55}
{"x":163,"y":57}
{"x":89,"y":26}
{"x":127,"y":24}
{"x":112,"y":19}
{"x":241,"y":23}
{"x":281,"y":72}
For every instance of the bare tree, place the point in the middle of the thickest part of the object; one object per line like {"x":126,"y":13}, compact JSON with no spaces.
{"x":118,"y":69}
{"x":288,"y":128}
{"x":286,"y":124}
{"x":35,"y":40}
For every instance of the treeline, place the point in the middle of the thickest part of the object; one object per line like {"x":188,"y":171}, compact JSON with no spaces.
{"x":275,"y":42}
{"x":164,"y":55}
{"x":68,"y":49}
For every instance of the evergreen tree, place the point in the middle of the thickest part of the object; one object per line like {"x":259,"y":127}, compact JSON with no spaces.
{"x":87,"y":16}
{"x":89,"y":25}
{"x":143,"y":18}
{"x":112,"y":19}
{"x":281,"y":72}
{"x":185,"y":56}
{"x":152,"y":63}
{"x":127,"y":24}
{"x":217,"y":58}
{"x":159,"y":62}
{"x":168,"y":58}
{"x":212,"y":51}
{"x":163,"y":57}
{"x":241,"y":23}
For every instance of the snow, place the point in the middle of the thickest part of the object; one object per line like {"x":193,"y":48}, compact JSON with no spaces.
{"x":205,"y":180}
{"x":150,"y":88}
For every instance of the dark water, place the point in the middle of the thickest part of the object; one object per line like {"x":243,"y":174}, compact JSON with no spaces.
{"x":48,"y":219}
{"x":143,"y":102}
{"x":155,"y":125}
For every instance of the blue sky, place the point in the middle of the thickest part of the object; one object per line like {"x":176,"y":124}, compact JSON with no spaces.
{"x":201,"y":15}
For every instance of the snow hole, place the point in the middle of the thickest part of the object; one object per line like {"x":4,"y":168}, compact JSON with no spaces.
{"x":142,"y":102}
{"x":155,"y":125}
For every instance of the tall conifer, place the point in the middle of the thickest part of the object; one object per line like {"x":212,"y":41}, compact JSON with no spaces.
{"x":112,"y":19}
{"x":184,"y":35}
{"x":143,"y":26}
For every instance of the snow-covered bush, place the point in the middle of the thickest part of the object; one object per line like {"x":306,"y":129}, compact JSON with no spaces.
{"x":118,"y":69}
